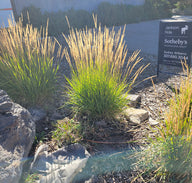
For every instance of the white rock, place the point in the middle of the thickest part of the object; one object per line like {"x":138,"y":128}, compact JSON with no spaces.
{"x":153,"y":122}
{"x":136,"y":116}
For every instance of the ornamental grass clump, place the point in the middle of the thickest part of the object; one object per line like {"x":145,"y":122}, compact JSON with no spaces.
{"x":101,"y":75}
{"x":170,"y":155}
{"x":27,"y":67}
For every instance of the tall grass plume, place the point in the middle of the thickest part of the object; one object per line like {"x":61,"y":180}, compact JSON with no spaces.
{"x":169,"y":155}
{"x":101,"y":73}
{"x":27,"y":67}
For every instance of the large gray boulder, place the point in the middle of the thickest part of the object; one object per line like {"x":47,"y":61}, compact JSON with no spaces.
{"x":60,"y":166}
{"x":17,"y":133}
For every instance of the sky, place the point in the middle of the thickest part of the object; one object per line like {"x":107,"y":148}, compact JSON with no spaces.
{"x":5,"y":14}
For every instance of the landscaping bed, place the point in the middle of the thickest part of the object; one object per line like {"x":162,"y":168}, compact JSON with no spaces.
{"x":111,"y":139}
{"x":86,"y":101}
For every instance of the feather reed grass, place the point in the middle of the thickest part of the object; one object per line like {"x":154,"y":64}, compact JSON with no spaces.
{"x":101,"y":73}
{"x":169,"y":155}
{"x":27,"y":68}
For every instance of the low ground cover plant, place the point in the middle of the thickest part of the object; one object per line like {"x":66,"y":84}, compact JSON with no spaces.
{"x":101,"y":75}
{"x":67,"y":131}
{"x":169,"y":155}
{"x":27,"y":68}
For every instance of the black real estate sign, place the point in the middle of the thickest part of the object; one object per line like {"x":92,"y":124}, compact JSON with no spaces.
{"x":175,"y":43}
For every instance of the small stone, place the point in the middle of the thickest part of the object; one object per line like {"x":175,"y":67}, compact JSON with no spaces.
{"x":120,"y":117}
{"x":153,"y":122}
{"x":134,"y":100}
{"x":136,"y":116}
{"x":84,"y":117}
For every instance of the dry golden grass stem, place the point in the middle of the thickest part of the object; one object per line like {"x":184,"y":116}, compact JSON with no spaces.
{"x":100,"y":46}
{"x":27,"y":40}
{"x":178,"y":118}
{"x":28,"y":65}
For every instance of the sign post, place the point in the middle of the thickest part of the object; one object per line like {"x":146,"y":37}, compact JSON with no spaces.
{"x":175,"y":43}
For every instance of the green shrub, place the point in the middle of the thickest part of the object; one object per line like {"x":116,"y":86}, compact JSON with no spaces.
{"x":34,"y":16}
{"x":183,"y":4}
{"x":183,"y":7}
{"x":27,"y":70}
{"x":169,"y":156}
{"x":79,"y":18}
{"x":57,"y":20}
{"x":156,"y":9}
{"x":99,"y":71}
{"x":114,"y":15}
{"x":66,"y":132}
{"x":120,"y":14}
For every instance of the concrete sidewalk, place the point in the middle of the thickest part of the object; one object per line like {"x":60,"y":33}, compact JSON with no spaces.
{"x":143,"y":36}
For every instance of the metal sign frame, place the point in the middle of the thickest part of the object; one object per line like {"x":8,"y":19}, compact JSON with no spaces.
{"x":175,"y":43}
